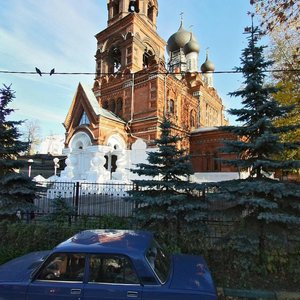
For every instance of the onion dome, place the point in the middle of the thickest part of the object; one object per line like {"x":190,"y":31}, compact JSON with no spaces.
{"x":207,"y":66}
{"x":178,"y":39}
{"x":192,"y":45}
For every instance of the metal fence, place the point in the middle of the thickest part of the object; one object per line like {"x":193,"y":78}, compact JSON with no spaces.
{"x":95,"y":200}
{"x":91,"y":199}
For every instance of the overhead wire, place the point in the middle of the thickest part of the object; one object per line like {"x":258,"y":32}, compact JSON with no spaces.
{"x":158,"y":73}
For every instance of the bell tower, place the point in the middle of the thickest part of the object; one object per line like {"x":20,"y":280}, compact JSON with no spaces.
{"x":118,"y":9}
{"x":132,"y":93}
{"x":130,"y":40}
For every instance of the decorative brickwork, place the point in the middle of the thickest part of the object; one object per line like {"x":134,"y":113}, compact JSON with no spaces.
{"x":135,"y":87}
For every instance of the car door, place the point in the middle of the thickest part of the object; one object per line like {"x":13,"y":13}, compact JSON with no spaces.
{"x":60,"y":277}
{"x":12,"y":291}
{"x":112,"y":277}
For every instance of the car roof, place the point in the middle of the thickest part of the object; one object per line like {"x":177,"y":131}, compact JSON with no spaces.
{"x":108,"y":241}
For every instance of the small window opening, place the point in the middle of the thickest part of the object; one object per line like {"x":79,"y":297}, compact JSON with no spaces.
{"x":119,"y":106}
{"x":84,"y":119}
{"x":193,"y":119}
{"x":116,"y":8}
{"x":112,"y":106}
{"x":133,"y":6}
{"x":147,"y":58}
{"x":150,"y":11}
{"x":171,"y":106}
{"x":116,"y":59}
{"x":105,"y":104}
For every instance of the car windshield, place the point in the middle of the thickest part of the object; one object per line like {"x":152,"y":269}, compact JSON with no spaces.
{"x":159,"y":261}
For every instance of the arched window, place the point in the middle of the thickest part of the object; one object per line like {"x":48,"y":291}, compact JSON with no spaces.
{"x":115,"y":56}
{"x":112,"y":105}
{"x":119,"y":106}
{"x":105,"y":104}
{"x":134,"y":6}
{"x":116,"y":7}
{"x":207,"y":115}
{"x":150,"y":11}
{"x":192,"y":119}
{"x":147,"y":58}
{"x":171,"y":106}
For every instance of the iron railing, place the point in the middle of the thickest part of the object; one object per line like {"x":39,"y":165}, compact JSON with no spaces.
{"x":92,"y":199}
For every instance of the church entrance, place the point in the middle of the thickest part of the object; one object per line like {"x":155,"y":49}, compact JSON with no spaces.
{"x":96,"y":163}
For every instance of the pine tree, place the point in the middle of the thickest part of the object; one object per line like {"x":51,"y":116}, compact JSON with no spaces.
{"x":166,"y":200}
{"x":269,"y":209}
{"x":16,"y":190}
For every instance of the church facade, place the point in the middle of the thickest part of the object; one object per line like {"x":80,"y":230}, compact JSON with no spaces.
{"x":112,"y":124}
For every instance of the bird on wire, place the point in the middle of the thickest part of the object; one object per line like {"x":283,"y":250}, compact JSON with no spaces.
{"x":52,"y":71}
{"x":38,"y":71}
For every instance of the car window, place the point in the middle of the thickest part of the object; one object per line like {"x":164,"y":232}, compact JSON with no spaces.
{"x":159,"y":261}
{"x":63,"y":267}
{"x":112,"y":269}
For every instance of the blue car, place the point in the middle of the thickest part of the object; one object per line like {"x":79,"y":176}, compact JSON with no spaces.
{"x":106,"y":264}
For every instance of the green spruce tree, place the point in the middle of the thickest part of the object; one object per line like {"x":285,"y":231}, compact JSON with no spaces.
{"x":164,"y":195}
{"x":269,"y":210}
{"x":17,"y":191}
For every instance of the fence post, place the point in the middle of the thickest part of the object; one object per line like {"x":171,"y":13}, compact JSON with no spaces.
{"x":77,"y":187}
{"x":136,"y":188}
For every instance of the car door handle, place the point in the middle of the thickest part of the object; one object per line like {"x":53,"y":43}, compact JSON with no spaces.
{"x":75,"y":291}
{"x":131,"y":294}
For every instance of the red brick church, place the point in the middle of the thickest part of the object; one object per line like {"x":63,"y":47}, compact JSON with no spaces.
{"x":112,"y":124}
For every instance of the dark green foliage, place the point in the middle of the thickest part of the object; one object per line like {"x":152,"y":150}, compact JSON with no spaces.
{"x":62,"y":212}
{"x":169,"y":163}
{"x":260,"y":140}
{"x":10,"y":146}
{"x":16,"y":191}
{"x":240,"y":270}
{"x":107,"y":221}
{"x":18,"y":238}
{"x":164,"y":195}
{"x":266,"y":211}
{"x":229,"y":266}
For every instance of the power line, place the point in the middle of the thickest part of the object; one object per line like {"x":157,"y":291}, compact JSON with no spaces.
{"x":142,"y":73}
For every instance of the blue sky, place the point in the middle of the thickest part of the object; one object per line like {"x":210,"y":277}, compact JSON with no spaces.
{"x":60,"y":34}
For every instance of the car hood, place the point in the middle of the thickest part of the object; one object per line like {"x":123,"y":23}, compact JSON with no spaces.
{"x":20,"y":269}
{"x":191,"y":273}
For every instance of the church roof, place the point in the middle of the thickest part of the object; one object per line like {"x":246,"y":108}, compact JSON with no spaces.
{"x":192,"y":45}
{"x":204,"y":129}
{"x":99,"y":111}
{"x":92,"y":102}
{"x":178,"y":39}
{"x":208,"y":65}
